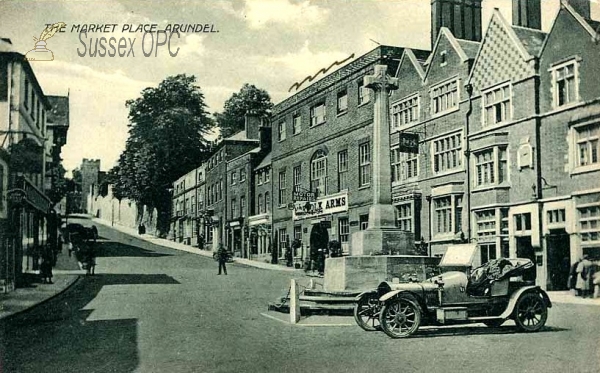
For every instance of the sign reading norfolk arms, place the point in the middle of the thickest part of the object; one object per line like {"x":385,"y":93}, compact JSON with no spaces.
{"x":322,"y":206}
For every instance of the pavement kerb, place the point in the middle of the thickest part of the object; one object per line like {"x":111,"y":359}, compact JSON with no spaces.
{"x":181,"y":247}
{"x":29,"y":308}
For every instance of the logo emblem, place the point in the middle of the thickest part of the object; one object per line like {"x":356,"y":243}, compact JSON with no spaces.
{"x":40,"y":52}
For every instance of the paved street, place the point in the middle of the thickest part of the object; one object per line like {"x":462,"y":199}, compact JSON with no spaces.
{"x":152,"y":309}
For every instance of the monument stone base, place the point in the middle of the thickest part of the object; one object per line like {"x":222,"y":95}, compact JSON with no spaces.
{"x":360,"y":273}
{"x":390,"y":241}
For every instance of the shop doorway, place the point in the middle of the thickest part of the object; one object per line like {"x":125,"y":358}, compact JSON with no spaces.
{"x":237,"y":242}
{"x":319,"y":239}
{"x":559,"y":259}
{"x":525,"y":250}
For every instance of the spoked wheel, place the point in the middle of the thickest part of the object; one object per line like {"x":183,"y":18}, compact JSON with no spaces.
{"x":366,"y":312}
{"x":494,"y":323}
{"x":531,"y":312}
{"x":400,"y":317}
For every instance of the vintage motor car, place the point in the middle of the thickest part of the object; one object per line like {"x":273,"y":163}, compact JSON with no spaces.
{"x":490,"y":294}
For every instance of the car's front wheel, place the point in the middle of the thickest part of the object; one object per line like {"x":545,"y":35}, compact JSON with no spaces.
{"x":400,"y":317}
{"x":530,"y":312}
{"x":366,"y":312}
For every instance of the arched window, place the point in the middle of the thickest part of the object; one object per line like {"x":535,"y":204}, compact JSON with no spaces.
{"x":318,"y":173}
{"x":260,"y":204}
{"x":267,"y":202}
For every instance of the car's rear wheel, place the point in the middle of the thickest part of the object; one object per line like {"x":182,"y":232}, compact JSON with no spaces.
{"x":530,"y":312}
{"x":494,"y":323}
{"x":366,"y":312}
{"x":400,"y":317}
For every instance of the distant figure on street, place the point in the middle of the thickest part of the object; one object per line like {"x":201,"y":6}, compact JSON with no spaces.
{"x":46,"y":268}
{"x":90,"y":258}
{"x":222,"y":256}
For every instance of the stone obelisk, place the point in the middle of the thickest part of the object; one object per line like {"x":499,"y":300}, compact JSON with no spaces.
{"x":381,"y":236}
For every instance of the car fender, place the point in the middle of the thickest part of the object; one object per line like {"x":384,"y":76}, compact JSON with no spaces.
{"x":517,"y":294}
{"x":392,"y":294}
{"x":359,"y":296}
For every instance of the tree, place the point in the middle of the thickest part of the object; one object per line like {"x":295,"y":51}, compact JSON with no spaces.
{"x":167,"y":129}
{"x":249,"y":98}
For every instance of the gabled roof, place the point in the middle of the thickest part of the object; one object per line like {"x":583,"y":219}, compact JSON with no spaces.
{"x":532,"y":39}
{"x":410,"y":56}
{"x":239,"y":136}
{"x":588,"y":25}
{"x":524,"y":36}
{"x":457,"y":44}
{"x":265,"y":162}
{"x":470,"y":47}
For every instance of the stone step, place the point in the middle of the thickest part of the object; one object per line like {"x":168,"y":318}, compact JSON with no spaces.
{"x":350,"y":294}
{"x":326,"y":299}
{"x":315,"y":309}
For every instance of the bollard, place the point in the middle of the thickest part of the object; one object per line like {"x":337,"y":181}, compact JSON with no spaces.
{"x":294,"y":303}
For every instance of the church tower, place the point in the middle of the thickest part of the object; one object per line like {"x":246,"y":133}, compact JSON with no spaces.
{"x":462,"y":17}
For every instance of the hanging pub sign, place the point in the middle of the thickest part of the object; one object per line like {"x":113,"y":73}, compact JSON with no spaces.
{"x":408,"y":142}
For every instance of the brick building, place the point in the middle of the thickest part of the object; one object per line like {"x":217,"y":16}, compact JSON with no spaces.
{"x":183,"y":226}
{"x":24,"y":211}
{"x":322,"y":146}
{"x":260,"y":219}
{"x":241,"y":189}
{"x":428,"y":187}
{"x":513,"y":165}
{"x":218,"y":183}
{"x":569,"y":100}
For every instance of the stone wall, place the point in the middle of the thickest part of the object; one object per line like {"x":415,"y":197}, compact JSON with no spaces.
{"x":122,"y":212}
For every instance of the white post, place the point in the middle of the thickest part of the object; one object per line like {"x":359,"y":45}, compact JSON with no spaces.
{"x":294,"y":303}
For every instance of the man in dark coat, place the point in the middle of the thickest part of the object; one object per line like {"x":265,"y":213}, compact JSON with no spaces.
{"x":222,"y":256}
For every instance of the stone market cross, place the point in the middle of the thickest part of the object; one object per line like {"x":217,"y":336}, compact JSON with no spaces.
{"x":381,"y":214}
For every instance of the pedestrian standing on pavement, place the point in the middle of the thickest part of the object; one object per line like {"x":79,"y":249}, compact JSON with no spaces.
{"x":222,"y":256}
{"x":572,"y":282}
{"x":584,"y":269}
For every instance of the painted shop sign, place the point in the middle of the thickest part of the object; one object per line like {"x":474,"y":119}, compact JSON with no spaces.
{"x":323,"y":206}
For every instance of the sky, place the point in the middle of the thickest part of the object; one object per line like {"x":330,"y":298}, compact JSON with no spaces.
{"x":269,"y":43}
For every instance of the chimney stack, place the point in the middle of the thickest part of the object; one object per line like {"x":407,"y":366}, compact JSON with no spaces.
{"x":527,"y":13}
{"x":581,"y":6}
{"x":252,"y":124}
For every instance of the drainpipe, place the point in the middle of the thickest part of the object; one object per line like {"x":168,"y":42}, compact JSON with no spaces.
{"x":428,"y":198}
{"x":469,"y":89}
{"x":538,"y":165}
